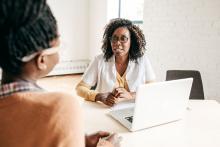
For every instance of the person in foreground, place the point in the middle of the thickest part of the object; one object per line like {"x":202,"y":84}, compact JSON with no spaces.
{"x":121,"y":68}
{"x":30,"y":116}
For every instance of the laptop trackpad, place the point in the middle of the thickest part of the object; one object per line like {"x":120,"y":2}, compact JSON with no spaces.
{"x":124,"y":114}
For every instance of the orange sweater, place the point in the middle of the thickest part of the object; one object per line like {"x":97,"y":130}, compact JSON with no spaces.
{"x":40,"y":119}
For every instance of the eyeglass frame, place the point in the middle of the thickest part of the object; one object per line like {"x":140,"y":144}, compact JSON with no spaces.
{"x":119,"y":39}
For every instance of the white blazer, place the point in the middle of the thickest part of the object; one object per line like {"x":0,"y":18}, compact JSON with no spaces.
{"x":103,"y":73}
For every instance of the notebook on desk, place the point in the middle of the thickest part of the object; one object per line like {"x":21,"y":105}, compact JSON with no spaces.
{"x":156,"y":104}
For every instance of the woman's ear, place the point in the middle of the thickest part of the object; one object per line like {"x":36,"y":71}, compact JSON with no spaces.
{"x":41,"y":62}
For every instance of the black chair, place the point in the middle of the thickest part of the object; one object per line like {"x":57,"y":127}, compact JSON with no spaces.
{"x":197,"y":87}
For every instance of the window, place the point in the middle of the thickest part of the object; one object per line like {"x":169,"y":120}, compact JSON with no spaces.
{"x":129,"y":9}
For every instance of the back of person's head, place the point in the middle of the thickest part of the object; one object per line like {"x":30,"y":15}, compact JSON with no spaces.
{"x":26,"y":26}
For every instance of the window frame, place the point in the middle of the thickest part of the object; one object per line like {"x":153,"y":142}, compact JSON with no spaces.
{"x":137,"y":22}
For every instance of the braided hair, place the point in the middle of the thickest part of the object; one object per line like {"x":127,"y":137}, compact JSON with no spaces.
{"x":26,"y":26}
{"x":138,"y":42}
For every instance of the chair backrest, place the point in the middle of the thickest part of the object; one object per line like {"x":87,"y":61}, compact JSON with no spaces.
{"x":197,"y":87}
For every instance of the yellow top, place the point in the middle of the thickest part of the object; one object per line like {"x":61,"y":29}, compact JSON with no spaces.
{"x":84,"y":90}
{"x":121,"y":81}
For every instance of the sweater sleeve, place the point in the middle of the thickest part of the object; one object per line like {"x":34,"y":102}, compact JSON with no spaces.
{"x":84,"y":91}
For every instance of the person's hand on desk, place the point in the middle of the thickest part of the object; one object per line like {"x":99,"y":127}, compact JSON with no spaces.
{"x":106,"y":98}
{"x":122,"y":94}
{"x":96,"y":140}
{"x":119,"y":94}
{"x":93,"y":139}
{"x":111,"y":141}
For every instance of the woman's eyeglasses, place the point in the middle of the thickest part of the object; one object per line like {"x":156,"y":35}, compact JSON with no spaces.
{"x":122,"y":39}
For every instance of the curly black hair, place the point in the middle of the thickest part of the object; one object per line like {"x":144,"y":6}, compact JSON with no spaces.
{"x":138,"y":42}
{"x":26,"y":26}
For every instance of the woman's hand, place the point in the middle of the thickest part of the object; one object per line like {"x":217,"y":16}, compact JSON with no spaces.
{"x":112,"y":141}
{"x":106,"y":98}
{"x":122,"y":93}
{"x":93,"y":139}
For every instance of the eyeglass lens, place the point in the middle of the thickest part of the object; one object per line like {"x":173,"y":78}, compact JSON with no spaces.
{"x":122,"y":39}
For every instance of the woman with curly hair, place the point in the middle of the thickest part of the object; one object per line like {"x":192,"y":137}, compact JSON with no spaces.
{"x":121,"y":68}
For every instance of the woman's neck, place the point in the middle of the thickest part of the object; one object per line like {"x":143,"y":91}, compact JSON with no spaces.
{"x":121,"y":60}
{"x":121,"y":64}
{"x":9,"y":78}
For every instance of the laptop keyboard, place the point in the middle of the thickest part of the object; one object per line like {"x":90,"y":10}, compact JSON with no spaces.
{"x":129,"y":118}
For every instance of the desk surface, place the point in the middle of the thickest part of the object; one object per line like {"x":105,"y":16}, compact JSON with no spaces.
{"x":200,"y":128}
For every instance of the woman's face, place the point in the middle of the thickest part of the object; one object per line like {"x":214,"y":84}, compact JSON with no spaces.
{"x":121,"y":42}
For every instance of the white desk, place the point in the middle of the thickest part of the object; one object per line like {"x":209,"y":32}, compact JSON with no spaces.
{"x":200,"y":128}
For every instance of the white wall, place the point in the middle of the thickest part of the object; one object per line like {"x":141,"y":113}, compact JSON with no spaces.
{"x":73,"y":20}
{"x":97,"y":22}
{"x":185,"y":34}
{"x":81,"y":24}
{"x":100,"y":13}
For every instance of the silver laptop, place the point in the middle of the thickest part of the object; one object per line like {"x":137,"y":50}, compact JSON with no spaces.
{"x":156,"y":104}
